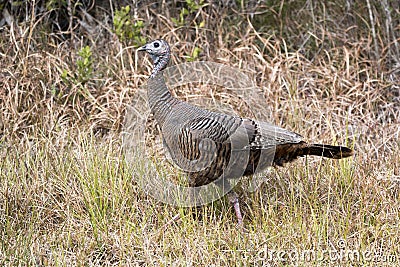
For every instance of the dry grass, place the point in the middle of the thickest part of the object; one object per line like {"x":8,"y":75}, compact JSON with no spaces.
{"x":69,"y":198}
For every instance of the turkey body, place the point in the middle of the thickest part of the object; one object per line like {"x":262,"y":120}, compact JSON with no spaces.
{"x":213,"y":147}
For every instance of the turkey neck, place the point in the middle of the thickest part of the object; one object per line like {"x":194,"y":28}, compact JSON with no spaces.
{"x":161,"y":101}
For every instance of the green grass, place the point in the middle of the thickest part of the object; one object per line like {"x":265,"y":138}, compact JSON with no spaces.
{"x":71,"y":195}
{"x":79,"y":204}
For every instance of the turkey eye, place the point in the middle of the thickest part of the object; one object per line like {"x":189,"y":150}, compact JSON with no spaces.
{"x":156,"y":45}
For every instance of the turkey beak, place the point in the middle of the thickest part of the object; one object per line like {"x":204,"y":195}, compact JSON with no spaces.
{"x":143,"y":48}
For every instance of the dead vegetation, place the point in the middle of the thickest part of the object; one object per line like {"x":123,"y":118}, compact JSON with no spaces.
{"x":329,"y":70}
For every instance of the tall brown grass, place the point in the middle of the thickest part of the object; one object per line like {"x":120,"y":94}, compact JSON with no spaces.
{"x":329,"y":70}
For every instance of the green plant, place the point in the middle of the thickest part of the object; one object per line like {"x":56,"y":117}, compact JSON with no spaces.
{"x":181,"y":20}
{"x":125,"y":29}
{"x":54,"y":4}
{"x":84,"y":64}
{"x":195,"y":54}
{"x":84,"y":68}
{"x":193,"y":7}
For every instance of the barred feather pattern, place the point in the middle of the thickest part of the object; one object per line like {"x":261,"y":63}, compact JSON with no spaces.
{"x":203,"y":143}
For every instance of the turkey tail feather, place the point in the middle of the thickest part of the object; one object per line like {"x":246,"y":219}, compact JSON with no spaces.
{"x":328,"y":151}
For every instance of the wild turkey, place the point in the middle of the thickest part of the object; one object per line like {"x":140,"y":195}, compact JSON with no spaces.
{"x":210,"y":146}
